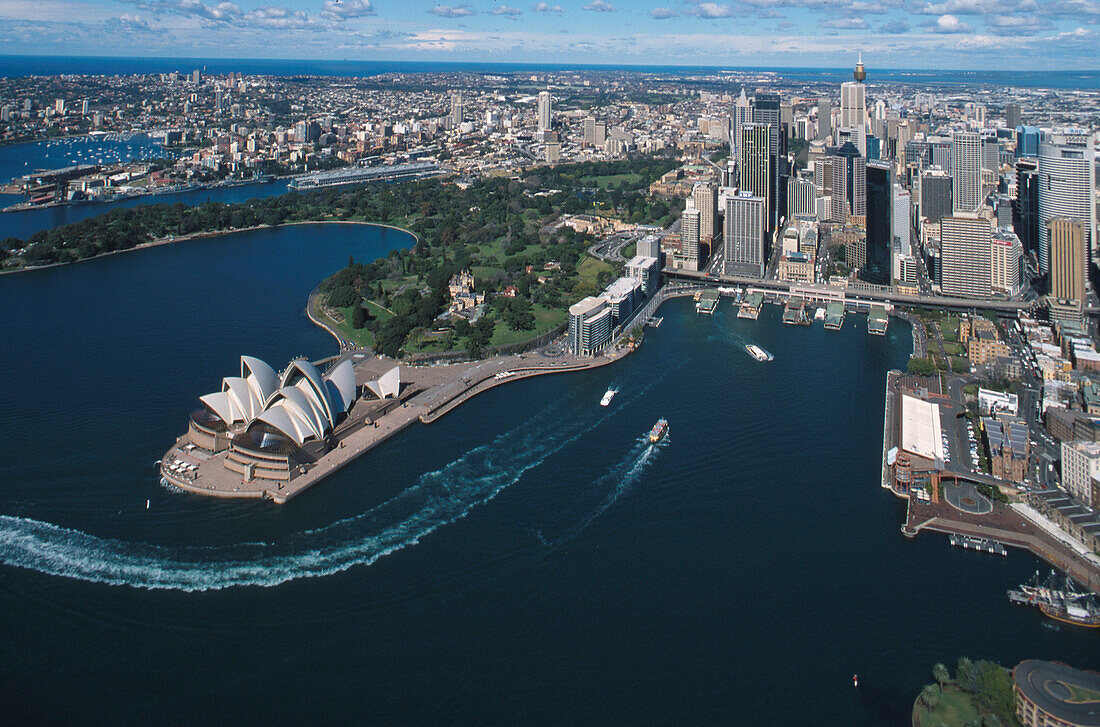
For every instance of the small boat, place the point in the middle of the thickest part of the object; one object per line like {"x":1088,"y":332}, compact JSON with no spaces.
{"x":608,"y":396}
{"x":758,"y":353}
{"x":658,"y":432}
{"x":855,"y":680}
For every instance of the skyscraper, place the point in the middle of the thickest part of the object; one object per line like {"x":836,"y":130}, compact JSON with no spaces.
{"x":1025,"y":208}
{"x":457,"y":114}
{"x":753,"y":163}
{"x":935,"y":194}
{"x":1066,"y":189}
{"x":853,"y":99}
{"x":689,"y":237}
{"x":849,"y":178}
{"x":1005,"y":253}
{"x":768,"y":110}
{"x":1012,"y":115}
{"x":824,"y":118}
{"x":966,"y":171}
{"x":742,"y":114}
{"x":1067,"y":260}
{"x":544,"y":111}
{"x":744,"y":234}
{"x":902,"y":205}
{"x":595,"y":132}
{"x":705,"y":196}
{"x":880,"y":223}
{"x":965,"y":264}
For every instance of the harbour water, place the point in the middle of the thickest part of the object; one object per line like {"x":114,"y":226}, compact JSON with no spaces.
{"x":530,"y":558}
{"x":19,"y":159}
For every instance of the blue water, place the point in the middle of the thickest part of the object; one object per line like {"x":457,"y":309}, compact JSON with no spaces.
{"x":52,"y":65}
{"x":528,"y":559}
{"x":19,"y":159}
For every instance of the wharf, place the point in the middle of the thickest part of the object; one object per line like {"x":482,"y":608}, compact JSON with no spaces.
{"x":877,"y":320}
{"x":707,"y":302}
{"x":834,"y":316}
{"x":794,"y":313}
{"x":750,"y":306}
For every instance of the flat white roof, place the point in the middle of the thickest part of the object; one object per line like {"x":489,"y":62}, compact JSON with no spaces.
{"x":920,"y":428}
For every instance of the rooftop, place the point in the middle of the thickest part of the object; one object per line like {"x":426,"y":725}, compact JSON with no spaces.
{"x":1061,"y":691}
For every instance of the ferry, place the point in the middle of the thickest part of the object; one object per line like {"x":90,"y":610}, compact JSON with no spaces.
{"x":758,"y":353}
{"x":658,"y":432}
{"x":1060,"y":601}
{"x":608,"y":396}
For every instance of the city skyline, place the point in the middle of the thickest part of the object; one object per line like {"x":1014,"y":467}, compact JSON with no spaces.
{"x":950,"y":34}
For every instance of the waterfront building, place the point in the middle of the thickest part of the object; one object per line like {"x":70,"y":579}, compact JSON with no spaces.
{"x":589,"y":326}
{"x":745,"y":227}
{"x":1080,"y":465}
{"x":880,"y":226}
{"x":688,"y":257}
{"x":705,"y":196}
{"x":545,"y":122}
{"x":1050,"y":694}
{"x":965,"y":248}
{"x":1066,"y":189}
{"x":966,"y":171}
{"x":649,"y":246}
{"x":647,"y":269}
{"x":624,"y":295}
{"x":1067,"y":268}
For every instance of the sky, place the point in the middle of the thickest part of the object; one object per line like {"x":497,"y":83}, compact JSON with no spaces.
{"x":956,"y":34}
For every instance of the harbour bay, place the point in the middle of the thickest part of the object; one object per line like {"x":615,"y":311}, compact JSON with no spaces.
{"x":527,"y":558}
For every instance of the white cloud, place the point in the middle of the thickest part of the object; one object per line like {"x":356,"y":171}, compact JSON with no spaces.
{"x":548,"y":8}
{"x":449,"y":11}
{"x":844,"y":23}
{"x":340,"y":10}
{"x":948,"y":24}
{"x":713,"y":10}
{"x":127,"y":23}
{"x":505,"y":10}
{"x":895,"y":27}
{"x":662,"y":13}
{"x":600,"y":6}
{"x":978,"y":7}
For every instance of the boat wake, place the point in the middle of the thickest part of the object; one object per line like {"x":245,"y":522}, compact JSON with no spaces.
{"x":439,"y":498}
{"x":618,"y":481}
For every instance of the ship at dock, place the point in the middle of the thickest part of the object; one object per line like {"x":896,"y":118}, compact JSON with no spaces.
{"x":1059,"y":599}
{"x":658,"y":432}
{"x":758,"y":353}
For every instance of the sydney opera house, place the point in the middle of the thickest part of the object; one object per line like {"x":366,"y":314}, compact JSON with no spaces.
{"x":272,"y":424}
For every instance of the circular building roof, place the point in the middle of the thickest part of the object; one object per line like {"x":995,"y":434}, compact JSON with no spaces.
{"x":1061,"y":691}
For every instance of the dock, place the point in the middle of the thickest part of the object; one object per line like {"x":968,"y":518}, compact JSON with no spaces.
{"x":750,"y":306}
{"x":707,"y":302}
{"x":834,"y":316}
{"x":983,"y":545}
{"x":794,"y":313}
{"x":877,"y":320}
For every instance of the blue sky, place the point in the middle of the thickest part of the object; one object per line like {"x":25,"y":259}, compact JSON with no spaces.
{"x":979,"y":34}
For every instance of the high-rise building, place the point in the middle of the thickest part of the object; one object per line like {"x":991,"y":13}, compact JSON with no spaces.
{"x":880,"y":223}
{"x":742,"y":114}
{"x":966,"y":171}
{"x":744,"y":234}
{"x":1025,"y":208}
{"x":589,"y":326}
{"x":935,"y":194}
{"x":59,"y":106}
{"x":1005,"y":256}
{"x":457,"y":111}
{"x":595,"y":133}
{"x":544,"y":111}
{"x":991,"y":154}
{"x":1067,"y":259}
{"x":84,"y":107}
{"x":689,"y":237}
{"x":965,"y":248}
{"x":801,"y":197}
{"x":768,"y":110}
{"x":853,"y":104}
{"x":849,"y":178}
{"x":753,"y":163}
{"x":705,"y":196}
{"x":1066,"y":189}
{"x":1012,"y":115}
{"x":1080,"y":464}
{"x":1027,"y":142}
{"x":824,"y":118}
{"x":902,"y":225}
{"x":553,"y":152}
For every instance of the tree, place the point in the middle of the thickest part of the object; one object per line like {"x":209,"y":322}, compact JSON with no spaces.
{"x":921,"y":366}
{"x":940,"y":674}
{"x":930,"y":696}
{"x":358,"y":316}
{"x":964,"y":674}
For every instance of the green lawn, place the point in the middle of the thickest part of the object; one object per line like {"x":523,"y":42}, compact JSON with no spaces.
{"x":611,"y":180}
{"x":545,"y":320}
{"x":954,"y":349}
{"x":954,"y":709}
{"x":591,"y":267}
{"x":377,"y":311}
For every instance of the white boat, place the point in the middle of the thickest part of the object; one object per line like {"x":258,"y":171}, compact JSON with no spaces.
{"x":819,"y":315}
{"x":758,"y":353}
{"x":608,"y":396}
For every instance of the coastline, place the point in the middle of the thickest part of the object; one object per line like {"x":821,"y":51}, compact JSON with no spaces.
{"x":205,"y":234}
